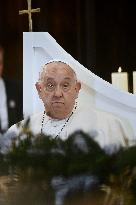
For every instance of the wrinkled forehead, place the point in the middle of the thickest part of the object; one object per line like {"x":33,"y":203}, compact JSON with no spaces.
{"x":57,"y":69}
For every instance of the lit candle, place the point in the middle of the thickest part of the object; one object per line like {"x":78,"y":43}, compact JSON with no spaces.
{"x":134,"y":82}
{"x":120,"y":79}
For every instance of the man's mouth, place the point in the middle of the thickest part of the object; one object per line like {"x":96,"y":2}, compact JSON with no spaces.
{"x":57,"y":102}
{"x":58,"y":105}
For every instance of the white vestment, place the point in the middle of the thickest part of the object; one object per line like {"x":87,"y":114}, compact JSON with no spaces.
{"x":105,"y":128}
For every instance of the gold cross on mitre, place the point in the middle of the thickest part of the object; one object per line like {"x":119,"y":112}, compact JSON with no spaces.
{"x":29,"y":12}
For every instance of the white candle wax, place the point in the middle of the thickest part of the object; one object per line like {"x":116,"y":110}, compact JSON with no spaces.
{"x":134,"y":82}
{"x":120,"y":80}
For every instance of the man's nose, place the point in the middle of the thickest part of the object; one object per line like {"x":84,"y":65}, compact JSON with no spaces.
{"x":58,"y":92}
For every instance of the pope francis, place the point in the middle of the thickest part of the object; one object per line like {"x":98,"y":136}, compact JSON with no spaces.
{"x":58,"y":88}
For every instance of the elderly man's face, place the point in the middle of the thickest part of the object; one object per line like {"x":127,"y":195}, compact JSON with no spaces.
{"x":1,"y":62}
{"x":59,"y":90}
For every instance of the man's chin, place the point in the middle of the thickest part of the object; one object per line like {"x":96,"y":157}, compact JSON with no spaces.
{"x":57,"y":114}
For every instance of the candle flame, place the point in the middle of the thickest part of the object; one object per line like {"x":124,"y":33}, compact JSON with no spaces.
{"x":119,"y":70}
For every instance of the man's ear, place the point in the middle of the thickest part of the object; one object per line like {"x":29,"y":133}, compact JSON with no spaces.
{"x":77,"y":88}
{"x":38,"y":88}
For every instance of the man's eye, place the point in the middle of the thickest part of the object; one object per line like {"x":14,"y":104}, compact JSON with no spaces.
{"x":66,"y":85}
{"x":50,"y":86}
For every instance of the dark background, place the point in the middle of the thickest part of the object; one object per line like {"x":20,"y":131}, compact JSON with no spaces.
{"x":101,"y":35}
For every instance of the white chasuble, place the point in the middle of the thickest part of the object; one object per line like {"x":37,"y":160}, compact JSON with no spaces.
{"x":104,"y":128}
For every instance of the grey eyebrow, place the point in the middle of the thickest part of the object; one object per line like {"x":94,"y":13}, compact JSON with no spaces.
{"x":67,"y":78}
{"x":50,"y":78}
